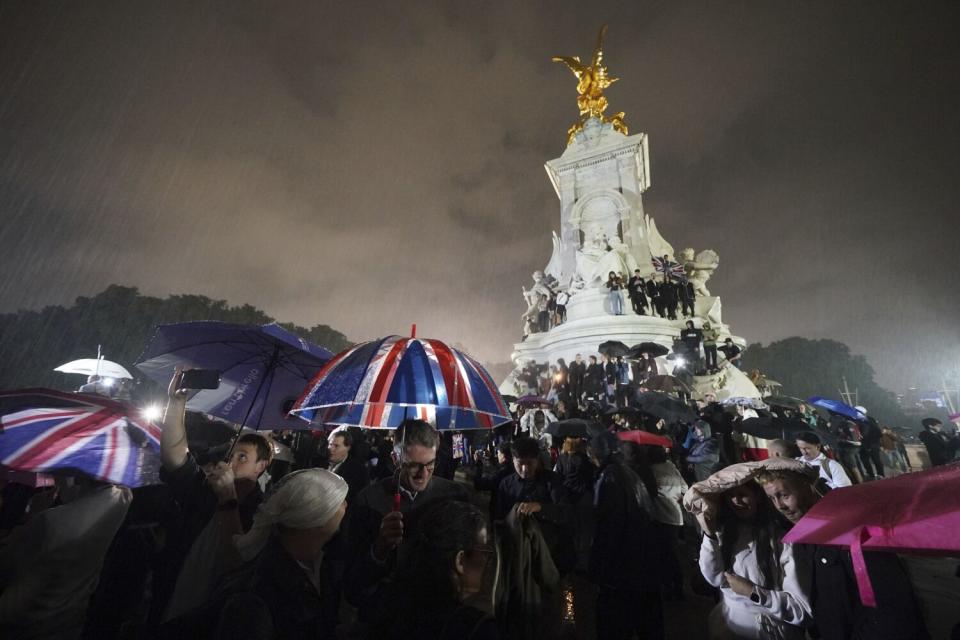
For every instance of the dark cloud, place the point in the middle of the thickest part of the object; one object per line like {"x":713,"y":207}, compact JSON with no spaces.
{"x":370,"y":165}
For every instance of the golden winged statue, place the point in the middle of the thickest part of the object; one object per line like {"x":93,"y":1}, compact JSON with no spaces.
{"x":591,"y":81}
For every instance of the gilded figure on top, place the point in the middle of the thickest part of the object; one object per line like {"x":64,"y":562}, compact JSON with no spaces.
{"x":591,"y":81}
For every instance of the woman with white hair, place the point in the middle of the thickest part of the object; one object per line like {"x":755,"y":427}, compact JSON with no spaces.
{"x":288,"y":589}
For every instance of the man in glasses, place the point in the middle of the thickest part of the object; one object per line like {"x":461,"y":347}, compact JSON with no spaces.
{"x":377,"y":528}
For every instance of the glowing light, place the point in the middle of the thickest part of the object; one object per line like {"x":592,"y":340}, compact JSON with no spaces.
{"x":152,"y":413}
{"x":107,"y":382}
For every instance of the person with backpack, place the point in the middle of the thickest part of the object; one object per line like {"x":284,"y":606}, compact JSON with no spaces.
{"x":831,"y":472}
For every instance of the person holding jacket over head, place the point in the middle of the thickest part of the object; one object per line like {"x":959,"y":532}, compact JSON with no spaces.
{"x":764,"y":590}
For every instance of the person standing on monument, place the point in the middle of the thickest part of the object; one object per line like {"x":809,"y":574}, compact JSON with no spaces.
{"x":653,"y":293}
{"x":593,"y":380}
{"x":613,"y":295}
{"x":637,"y":290}
{"x":610,"y":377}
{"x":691,"y":337}
{"x":687,"y":297}
{"x":578,"y":369}
{"x":668,"y":296}
{"x":710,"y":336}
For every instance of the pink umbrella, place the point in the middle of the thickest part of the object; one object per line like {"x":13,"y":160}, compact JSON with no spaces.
{"x":645,"y":437}
{"x":912,"y":513}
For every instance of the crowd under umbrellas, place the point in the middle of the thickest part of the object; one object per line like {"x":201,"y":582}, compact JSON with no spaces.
{"x":391,"y":491}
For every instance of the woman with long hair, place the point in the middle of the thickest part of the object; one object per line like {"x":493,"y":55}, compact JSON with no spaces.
{"x":441,"y":569}
{"x":764,"y":597}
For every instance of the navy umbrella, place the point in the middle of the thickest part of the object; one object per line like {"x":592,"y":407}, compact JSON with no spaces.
{"x":263,"y":369}
{"x":837,"y":407}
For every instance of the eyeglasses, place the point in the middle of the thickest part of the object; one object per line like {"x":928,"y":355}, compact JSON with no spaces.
{"x":419,"y":467}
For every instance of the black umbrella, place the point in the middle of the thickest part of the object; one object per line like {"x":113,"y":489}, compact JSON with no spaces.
{"x":574,"y":428}
{"x":664,"y":406}
{"x":613,"y":348}
{"x":785,"y":401}
{"x":652,"y":348}
{"x":773,"y":427}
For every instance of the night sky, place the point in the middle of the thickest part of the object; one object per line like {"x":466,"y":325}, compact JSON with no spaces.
{"x":369,"y":165}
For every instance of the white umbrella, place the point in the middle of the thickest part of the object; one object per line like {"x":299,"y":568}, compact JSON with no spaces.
{"x":94,"y":366}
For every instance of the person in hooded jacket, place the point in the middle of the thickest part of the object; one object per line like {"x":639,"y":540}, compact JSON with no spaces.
{"x":703,"y":450}
{"x":625,"y":557}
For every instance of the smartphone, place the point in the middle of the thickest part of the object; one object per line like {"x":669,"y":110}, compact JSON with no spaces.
{"x":200,"y":379}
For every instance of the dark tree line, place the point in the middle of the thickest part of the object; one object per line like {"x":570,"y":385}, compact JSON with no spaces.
{"x":121,"y":320}
{"x":817,"y":368}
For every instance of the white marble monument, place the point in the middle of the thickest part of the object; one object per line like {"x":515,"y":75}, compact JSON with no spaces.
{"x":600,"y":179}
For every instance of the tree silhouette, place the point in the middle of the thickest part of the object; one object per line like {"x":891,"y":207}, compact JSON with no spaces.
{"x":817,"y":368}
{"x":120,"y":319}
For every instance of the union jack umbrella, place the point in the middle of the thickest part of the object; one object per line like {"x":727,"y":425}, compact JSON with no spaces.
{"x":381,"y":383}
{"x":49,"y":431}
{"x":668,"y":268}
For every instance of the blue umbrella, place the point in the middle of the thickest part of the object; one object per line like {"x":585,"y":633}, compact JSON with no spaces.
{"x":263,"y":369}
{"x":835,"y":406}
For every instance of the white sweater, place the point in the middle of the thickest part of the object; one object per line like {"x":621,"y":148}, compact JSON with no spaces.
{"x":781,"y":613}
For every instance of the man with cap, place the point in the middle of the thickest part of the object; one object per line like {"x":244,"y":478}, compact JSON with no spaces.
{"x":940,"y":447}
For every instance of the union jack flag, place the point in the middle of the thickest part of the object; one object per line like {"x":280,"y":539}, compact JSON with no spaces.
{"x":47,"y":431}
{"x":668,"y":268}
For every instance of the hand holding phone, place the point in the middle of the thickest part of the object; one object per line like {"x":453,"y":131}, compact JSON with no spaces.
{"x":200,"y":379}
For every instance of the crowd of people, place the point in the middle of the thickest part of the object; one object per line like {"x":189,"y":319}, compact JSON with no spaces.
{"x":371,"y":535}
{"x":658,"y":297}
{"x":618,"y":379}
{"x":663,"y":298}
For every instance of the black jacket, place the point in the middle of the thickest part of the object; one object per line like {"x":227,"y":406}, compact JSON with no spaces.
{"x":354,"y":471}
{"x":491,"y":483}
{"x":593,"y":380}
{"x":365,"y":576}
{"x":835,"y":599}
{"x":940,"y":447}
{"x":555,"y":514}
{"x":624,"y":553}
{"x":578,"y":474}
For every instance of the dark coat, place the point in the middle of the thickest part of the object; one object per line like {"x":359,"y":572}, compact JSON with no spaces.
{"x":835,"y":599}
{"x":940,"y":447}
{"x":610,"y":372}
{"x":578,"y":474}
{"x":593,"y":380}
{"x":354,"y":471}
{"x":365,"y":576}
{"x":555,"y":516}
{"x":491,"y":482}
{"x":624,"y":553}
